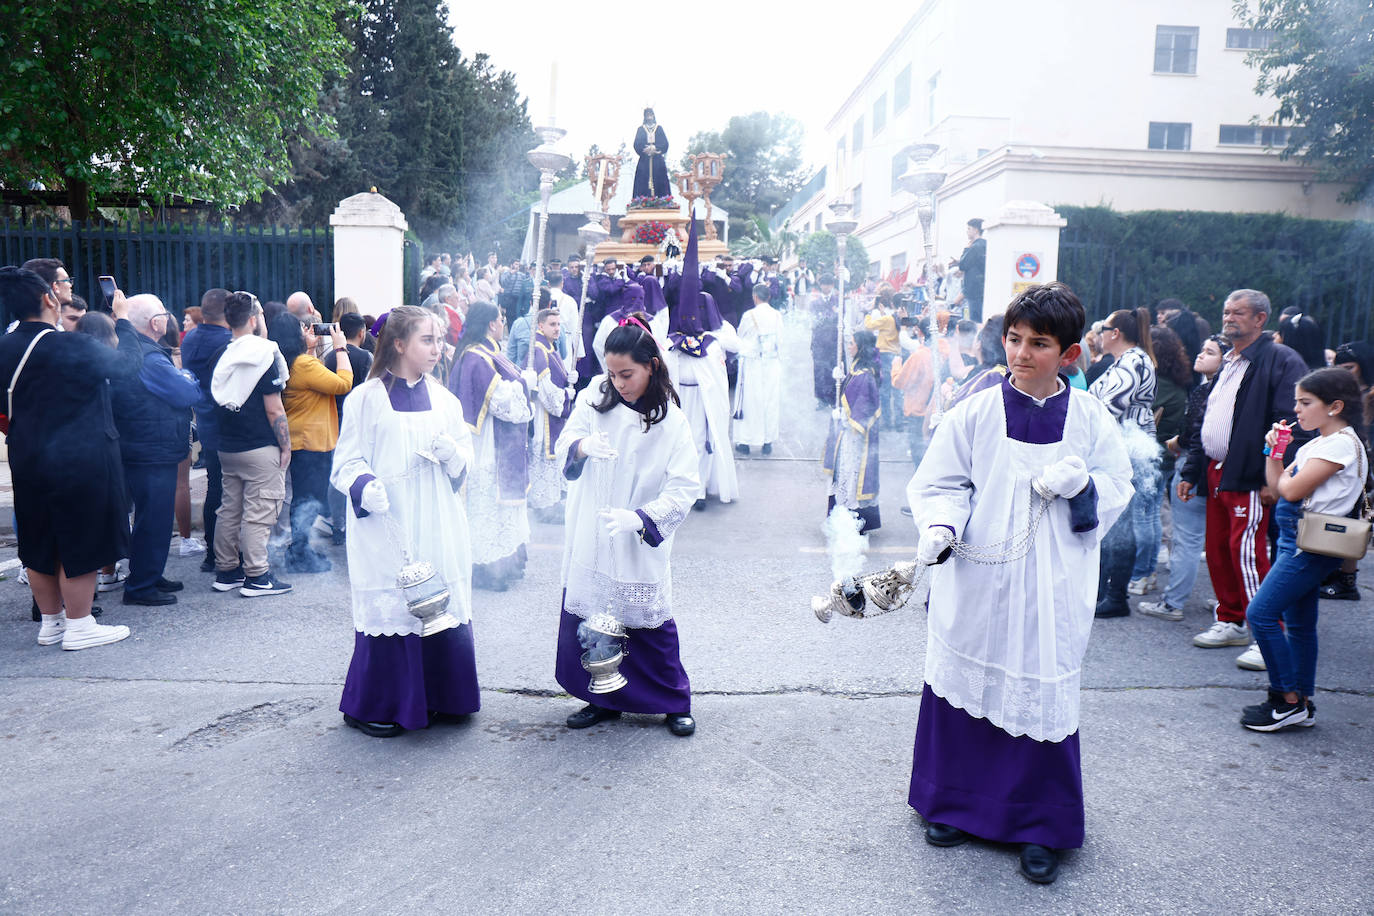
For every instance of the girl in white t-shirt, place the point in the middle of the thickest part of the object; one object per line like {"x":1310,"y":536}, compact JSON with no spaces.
{"x":1327,"y":475}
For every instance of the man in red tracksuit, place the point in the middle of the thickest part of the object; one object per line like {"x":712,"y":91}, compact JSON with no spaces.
{"x":1253,"y":390}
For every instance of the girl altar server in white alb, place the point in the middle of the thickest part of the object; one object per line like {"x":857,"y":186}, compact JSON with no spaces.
{"x":758,"y":390}
{"x":628,"y":453}
{"x":403,"y":452}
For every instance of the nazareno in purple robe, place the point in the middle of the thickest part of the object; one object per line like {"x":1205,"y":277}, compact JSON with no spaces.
{"x":546,"y":357}
{"x":477,"y":371}
{"x":402,"y":679}
{"x":970,"y":774}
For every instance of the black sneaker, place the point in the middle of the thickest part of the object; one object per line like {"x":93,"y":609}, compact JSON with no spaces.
{"x":1273,"y":714}
{"x":1311,"y":719}
{"x":265,"y":584}
{"x":226,"y":580}
{"x":1341,"y":586}
{"x":208,"y":564}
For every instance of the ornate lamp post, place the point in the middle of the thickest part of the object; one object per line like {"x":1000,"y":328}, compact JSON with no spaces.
{"x":549,"y":161}
{"x":921,"y":180}
{"x":592,"y":233}
{"x":843,"y":226}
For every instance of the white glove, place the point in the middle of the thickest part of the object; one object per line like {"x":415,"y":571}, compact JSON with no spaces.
{"x":445,"y":448}
{"x":837,"y":374}
{"x":572,"y":376}
{"x":620,"y":521}
{"x":1066,"y":477}
{"x":374,"y":499}
{"x":530,"y":378}
{"x":935,"y":540}
{"x":598,"y":446}
{"x":837,"y":414}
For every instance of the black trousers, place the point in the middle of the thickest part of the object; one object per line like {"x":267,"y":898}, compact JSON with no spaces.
{"x":153,"y":492}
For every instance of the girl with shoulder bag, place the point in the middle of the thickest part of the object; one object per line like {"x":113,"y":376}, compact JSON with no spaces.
{"x":1327,"y":477}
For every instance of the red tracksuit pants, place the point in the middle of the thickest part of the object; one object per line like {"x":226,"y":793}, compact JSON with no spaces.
{"x":1237,"y":546}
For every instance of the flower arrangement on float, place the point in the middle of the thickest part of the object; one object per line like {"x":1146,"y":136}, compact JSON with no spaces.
{"x":651,"y":233}
{"x":653,"y":203}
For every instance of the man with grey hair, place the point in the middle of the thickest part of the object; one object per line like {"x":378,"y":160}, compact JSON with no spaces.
{"x":299,"y":304}
{"x":152,"y":413}
{"x":1252,"y":391}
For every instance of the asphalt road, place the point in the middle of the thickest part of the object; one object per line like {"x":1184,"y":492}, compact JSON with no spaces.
{"x":202,"y":766}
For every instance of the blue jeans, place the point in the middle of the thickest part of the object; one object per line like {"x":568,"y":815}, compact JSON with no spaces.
{"x":1145,"y":517}
{"x":152,"y":491}
{"x":888,"y":397}
{"x":1289,"y":594}
{"x":915,"y":438}
{"x":1190,"y":534}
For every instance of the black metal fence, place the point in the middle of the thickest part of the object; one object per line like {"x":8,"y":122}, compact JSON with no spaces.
{"x":178,"y":263}
{"x":1334,"y":284}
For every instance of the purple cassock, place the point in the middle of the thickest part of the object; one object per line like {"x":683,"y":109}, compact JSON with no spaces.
{"x":572,"y":286}
{"x":402,"y":679}
{"x":722,"y":291}
{"x":860,"y":405}
{"x":603,"y":297}
{"x":657,"y":682}
{"x":742,"y":299}
{"x":546,"y":357}
{"x":970,"y":774}
{"x":476,"y":373}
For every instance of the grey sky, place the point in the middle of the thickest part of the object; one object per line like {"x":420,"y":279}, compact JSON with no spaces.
{"x":763,"y":55}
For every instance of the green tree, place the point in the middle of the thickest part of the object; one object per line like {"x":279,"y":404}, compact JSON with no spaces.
{"x":161,"y":99}
{"x":822,"y":249}
{"x":443,"y":136}
{"x":764,"y":168}
{"x":759,"y":240}
{"x":1319,"y":65}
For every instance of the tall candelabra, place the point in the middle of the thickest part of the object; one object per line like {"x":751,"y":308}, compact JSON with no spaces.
{"x":549,"y":161}
{"x":593,"y":233}
{"x":842,"y":225}
{"x":921,"y":180}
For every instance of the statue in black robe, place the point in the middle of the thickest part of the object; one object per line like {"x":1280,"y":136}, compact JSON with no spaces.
{"x":651,"y":174}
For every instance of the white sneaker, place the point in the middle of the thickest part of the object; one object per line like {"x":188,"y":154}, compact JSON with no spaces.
{"x":1142,"y":586}
{"x":108,"y":582}
{"x":1159,"y":609}
{"x":85,"y":633}
{"x":1251,"y":659}
{"x":1163,"y":558}
{"x":23,"y":576}
{"x":1222,"y":634}
{"x":51,"y":630}
{"x":322,"y":526}
{"x":191,"y":547}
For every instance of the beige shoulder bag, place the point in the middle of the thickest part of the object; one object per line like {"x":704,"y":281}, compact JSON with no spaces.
{"x":1344,"y":536}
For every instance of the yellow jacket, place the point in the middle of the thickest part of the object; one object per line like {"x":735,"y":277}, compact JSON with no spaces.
{"x":312,"y":414}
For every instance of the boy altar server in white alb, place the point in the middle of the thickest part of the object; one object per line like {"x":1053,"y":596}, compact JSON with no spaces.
{"x":552,"y":403}
{"x":758,"y":389}
{"x":996,"y":754}
{"x":404,"y":450}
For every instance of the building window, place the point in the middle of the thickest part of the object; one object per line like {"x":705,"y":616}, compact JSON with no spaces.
{"x":1252,"y":135}
{"x":932,"y":85}
{"x":880,"y":113}
{"x":858,"y":200}
{"x":1176,"y":49}
{"x":901,"y":90}
{"x":899,"y":162}
{"x":898,"y":263}
{"x":1249,"y":39}
{"x":1170,"y":135}
{"x":858,"y":136}
{"x":818,"y":223}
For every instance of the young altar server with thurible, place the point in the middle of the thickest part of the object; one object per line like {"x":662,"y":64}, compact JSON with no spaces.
{"x":403,"y":453}
{"x":628,"y":454}
{"x":997,"y":754}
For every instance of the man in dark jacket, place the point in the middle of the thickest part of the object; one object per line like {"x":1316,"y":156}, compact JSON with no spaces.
{"x":198,"y":349}
{"x":153,"y":414}
{"x":1253,"y":390}
{"x":973,"y":262}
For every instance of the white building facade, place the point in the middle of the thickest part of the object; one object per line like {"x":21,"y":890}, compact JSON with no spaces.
{"x":1129,"y":104}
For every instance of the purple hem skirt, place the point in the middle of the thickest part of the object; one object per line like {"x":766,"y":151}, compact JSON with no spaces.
{"x":657,"y":681}
{"x":401,"y":678}
{"x":968,"y":773}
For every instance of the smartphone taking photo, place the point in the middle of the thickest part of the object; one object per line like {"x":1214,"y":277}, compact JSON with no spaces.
{"x":108,"y":287}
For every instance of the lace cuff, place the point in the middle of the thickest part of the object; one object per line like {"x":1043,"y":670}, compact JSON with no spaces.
{"x":662,"y":517}
{"x":509,"y":402}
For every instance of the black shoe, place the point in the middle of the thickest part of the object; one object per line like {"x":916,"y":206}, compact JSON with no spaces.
{"x":339,"y":537}
{"x":1112,"y":607}
{"x":449,"y":718}
{"x":944,"y":835}
{"x":1273,"y":714}
{"x":1341,"y":587}
{"x":207,"y":565}
{"x":681,"y":725}
{"x":375,"y":729}
{"x":226,"y":580}
{"x":307,"y":561}
{"x":150,"y":598}
{"x":699,"y":505}
{"x":168,"y":585}
{"x":906,"y":510}
{"x":591,"y":714}
{"x":96,"y":610}
{"x":265,"y":584}
{"x":768,"y":448}
{"x":1039,"y":863}
{"x":742,"y":449}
